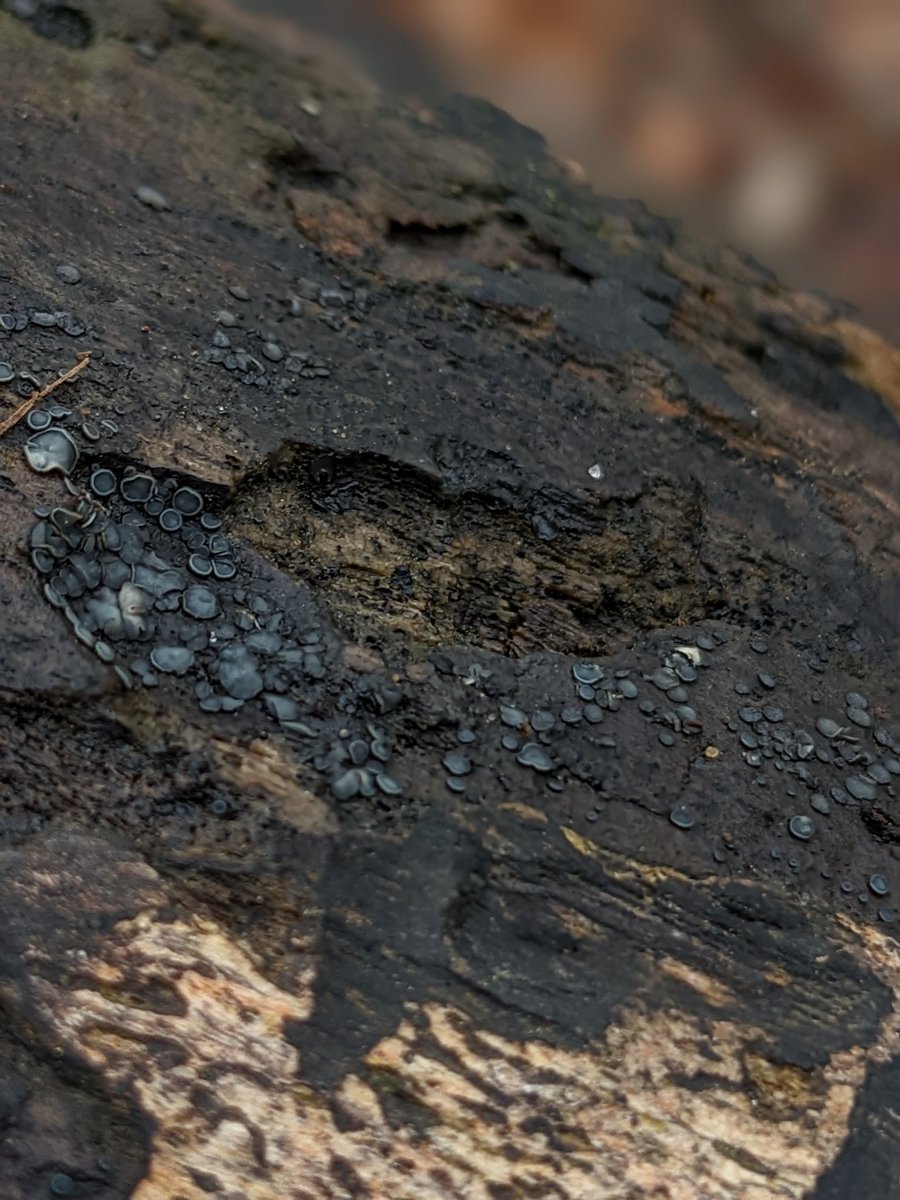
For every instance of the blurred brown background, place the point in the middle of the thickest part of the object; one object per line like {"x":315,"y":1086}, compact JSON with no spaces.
{"x":772,"y":123}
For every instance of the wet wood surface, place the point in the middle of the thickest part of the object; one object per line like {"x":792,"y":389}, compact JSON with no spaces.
{"x":487,"y":427}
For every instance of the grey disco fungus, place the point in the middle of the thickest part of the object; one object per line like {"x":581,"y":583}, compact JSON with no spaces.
{"x":51,"y":450}
{"x":38,"y":419}
{"x":137,"y":488}
{"x":122,"y":559}
{"x":174,"y":660}
{"x":200,"y":602}
{"x":103,"y":482}
{"x":187,"y":502}
{"x":148,"y":579}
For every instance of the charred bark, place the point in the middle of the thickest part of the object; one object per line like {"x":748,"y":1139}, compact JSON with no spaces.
{"x":584,"y":532}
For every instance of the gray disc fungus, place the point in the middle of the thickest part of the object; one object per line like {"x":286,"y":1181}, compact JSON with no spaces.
{"x":173,"y":660}
{"x":169,"y":518}
{"x":144,"y":576}
{"x":187,"y":502}
{"x":51,"y":450}
{"x":802,"y":827}
{"x":457,"y":763}
{"x":103,"y":482}
{"x":535,"y":756}
{"x":38,"y":419}
{"x":200,"y":602}
{"x":137,"y":488}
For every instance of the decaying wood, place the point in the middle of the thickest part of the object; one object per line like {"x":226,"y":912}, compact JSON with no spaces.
{"x":215,"y":978}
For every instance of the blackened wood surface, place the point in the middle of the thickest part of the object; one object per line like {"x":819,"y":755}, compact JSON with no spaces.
{"x":218,"y":979}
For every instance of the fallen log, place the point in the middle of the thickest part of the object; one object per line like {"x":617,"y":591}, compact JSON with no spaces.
{"x":449,"y":659}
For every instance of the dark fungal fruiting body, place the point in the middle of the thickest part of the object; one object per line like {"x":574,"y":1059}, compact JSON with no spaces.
{"x":38,"y":419}
{"x":103,"y":482}
{"x":588,"y":673}
{"x":117,"y":563}
{"x":238,"y":672}
{"x":536,"y":757}
{"x":802,"y":827}
{"x":137,"y":488}
{"x":514,"y":717}
{"x":51,"y":450}
{"x":223,"y":569}
{"x":169,"y":519}
{"x":173,"y":660}
{"x":187,"y":502}
{"x":200,"y":602}
{"x":138,"y":573}
{"x":861,"y":789}
{"x":457,"y":763}
{"x":200,"y":565}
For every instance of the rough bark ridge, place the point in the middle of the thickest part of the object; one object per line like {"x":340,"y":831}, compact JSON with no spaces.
{"x":229,"y":965}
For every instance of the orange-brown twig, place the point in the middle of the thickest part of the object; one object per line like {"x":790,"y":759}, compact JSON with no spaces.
{"x":27,"y":405}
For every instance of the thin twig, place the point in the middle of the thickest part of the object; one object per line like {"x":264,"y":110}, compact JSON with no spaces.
{"x":27,"y":405}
